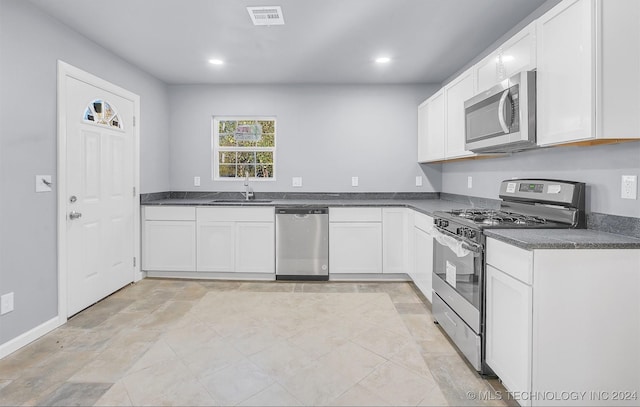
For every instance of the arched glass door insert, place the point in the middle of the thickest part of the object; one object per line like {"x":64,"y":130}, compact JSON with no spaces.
{"x":101,"y":112}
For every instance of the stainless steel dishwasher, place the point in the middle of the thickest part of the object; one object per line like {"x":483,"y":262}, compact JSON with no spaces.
{"x":302,"y":243}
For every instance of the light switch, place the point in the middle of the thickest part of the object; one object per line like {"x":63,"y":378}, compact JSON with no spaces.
{"x":469,"y":182}
{"x":6,"y":303}
{"x":419,"y":180}
{"x":296,"y":182}
{"x":354,"y":181}
{"x":196,"y":181}
{"x":43,"y":183}
{"x":629,"y":188}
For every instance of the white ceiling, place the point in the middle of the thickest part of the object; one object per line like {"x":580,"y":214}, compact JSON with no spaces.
{"x":322,"y":41}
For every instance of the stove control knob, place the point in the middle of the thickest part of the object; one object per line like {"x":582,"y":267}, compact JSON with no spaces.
{"x":470,"y":233}
{"x":460,"y":231}
{"x":444,"y":223}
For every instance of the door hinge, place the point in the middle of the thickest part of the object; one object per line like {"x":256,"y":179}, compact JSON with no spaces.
{"x":134,"y":121}
{"x":134,"y":191}
{"x":134,"y":262}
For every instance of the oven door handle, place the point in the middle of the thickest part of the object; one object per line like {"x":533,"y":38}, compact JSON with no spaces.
{"x":445,"y":238}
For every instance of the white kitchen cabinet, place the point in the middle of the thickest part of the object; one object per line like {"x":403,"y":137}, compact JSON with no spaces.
{"x":355,"y":240}
{"x":564,"y":320}
{"x":168,"y":238}
{"x":431,"y":128}
{"x":422,"y":272}
{"x":395,"y":240}
{"x":255,"y":247}
{"x":517,"y":54}
{"x":509,"y":325}
{"x":216,"y":246}
{"x":588,"y":57}
{"x":456,"y":93}
{"x":236,"y":240}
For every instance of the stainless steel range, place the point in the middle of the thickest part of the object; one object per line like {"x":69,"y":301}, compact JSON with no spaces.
{"x":459,"y":251}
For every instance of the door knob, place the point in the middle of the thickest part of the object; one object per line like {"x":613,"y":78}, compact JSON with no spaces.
{"x":74,"y":215}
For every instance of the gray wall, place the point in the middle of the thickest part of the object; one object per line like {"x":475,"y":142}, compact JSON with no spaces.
{"x":325,"y":134}
{"x":30,"y":45}
{"x":600,"y":167}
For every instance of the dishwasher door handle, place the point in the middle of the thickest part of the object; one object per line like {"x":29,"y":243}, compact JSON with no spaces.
{"x":299,"y":216}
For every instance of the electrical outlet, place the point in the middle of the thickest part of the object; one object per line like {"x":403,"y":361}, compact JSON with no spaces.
{"x":6,"y":303}
{"x":296,"y":182}
{"x":629,"y":187}
{"x":419,"y":180}
{"x":469,"y":182}
{"x":354,"y":181}
{"x":196,"y":181}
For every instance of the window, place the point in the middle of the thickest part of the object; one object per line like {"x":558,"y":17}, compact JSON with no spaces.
{"x":244,"y":146}
{"x":101,"y":112}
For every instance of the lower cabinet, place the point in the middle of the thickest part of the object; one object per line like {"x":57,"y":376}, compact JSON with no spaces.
{"x":509,"y":325}
{"x":563,"y":325}
{"x":168,"y":238}
{"x":208,"y":239}
{"x":422,"y":271}
{"x":355,"y":240}
{"x":236,"y":240}
{"x":396,"y":240}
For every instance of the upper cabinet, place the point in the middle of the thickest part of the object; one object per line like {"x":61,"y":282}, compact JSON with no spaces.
{"x":455,"y":94}
{"x":515,"y":55}
{"x":587,"y":57}
{"x":588,"y":84}
{"x":431,"y":127}
{"x":441,"y":121}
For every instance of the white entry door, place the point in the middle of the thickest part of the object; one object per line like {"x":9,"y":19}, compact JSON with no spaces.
{"x":100,"y":196}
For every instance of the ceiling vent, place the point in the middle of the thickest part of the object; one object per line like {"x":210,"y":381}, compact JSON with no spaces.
{"x":266,"y":15}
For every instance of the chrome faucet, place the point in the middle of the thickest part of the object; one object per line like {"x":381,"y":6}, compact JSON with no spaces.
{"x":247,"y":193}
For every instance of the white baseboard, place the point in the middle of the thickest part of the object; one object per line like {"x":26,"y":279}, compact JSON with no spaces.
{"x":30,"y":336}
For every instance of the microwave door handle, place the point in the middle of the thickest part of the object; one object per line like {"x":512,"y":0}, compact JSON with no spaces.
{"x":501,"y":119}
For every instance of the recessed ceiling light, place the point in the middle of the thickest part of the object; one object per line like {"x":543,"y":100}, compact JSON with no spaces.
{"x":216,"y":62}
{"x":383,"y":60}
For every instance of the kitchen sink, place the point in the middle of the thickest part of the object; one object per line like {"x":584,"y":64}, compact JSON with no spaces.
{"x":240,"y":200}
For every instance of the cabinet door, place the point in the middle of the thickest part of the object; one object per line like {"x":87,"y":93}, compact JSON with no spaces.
{"x":433,"y":142}
{"x":509,"y":329}
{"x":355,"y":247}
{"x":422,"y":274}
{"x":423,"y":151}
{"x":169,"y":246}
{"x":216,"y":246}
{"x":518,"y":53}
{"x":395,"y":240}
{"x":461,"y":89}
{"x":255,"y":247}
{"x":565,"y":78}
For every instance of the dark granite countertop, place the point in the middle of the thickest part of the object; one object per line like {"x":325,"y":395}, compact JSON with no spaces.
{"x":426,"y":206}
{"x":531,"y":239}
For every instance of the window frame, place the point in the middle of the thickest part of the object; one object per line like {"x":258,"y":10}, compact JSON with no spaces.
{"x":216,"y":148}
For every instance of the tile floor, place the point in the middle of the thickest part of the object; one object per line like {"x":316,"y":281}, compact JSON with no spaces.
{"x":177,"y":342}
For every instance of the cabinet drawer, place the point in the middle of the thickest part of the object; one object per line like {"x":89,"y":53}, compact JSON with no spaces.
{"x":423,"y":222}
{"x":513,"y":261}
{"x":236,"y":214}
{"x":169,"y":213}
{"x":355,"y":214}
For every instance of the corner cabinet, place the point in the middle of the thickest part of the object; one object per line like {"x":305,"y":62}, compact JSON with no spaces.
{"x":422,"y":270}
{"x":588,"y":84}
{"x":168,"y":238}
{"x":564,"y":320}
{"x":431,"y":128}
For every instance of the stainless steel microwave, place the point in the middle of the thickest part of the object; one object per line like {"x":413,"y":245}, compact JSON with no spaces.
{"x":503,"y":118}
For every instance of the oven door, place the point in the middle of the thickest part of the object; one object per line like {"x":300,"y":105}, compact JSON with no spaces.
{"x":457,"y":276}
